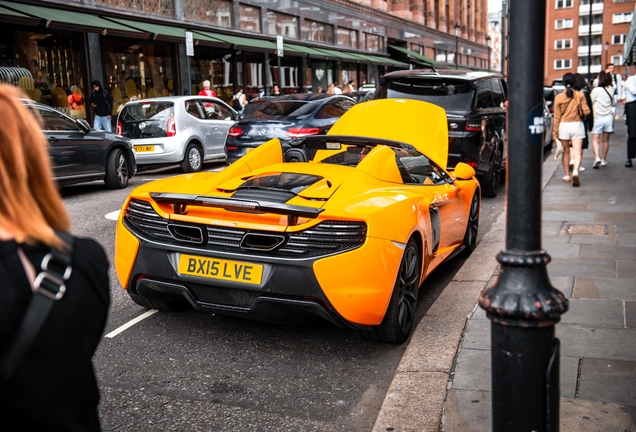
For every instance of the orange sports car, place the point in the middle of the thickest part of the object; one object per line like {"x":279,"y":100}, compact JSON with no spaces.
{"x":344,"y":226}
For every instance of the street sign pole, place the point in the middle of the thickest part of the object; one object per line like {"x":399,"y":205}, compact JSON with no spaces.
{"x":189,"y":53}
{"x":522,"y":305}
{"x":279,"y":54}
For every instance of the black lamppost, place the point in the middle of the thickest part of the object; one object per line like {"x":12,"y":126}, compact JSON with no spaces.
{"x":606,"y":55}
{"x":522,"y":304}
{"x":458,"y":31}
{"x":488,"y":42}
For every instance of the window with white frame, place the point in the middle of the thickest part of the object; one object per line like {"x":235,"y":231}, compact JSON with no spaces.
{"x":564,"y":23}
{"x":620,"y":18}
{"x":617,"y":59}
{"x":618,"y":39}
{"x":563,"y":64}
{"x":587,"y":2}
{"x":596,"y":61}
{"x":560,"y":44}
{"x":562,"y":4}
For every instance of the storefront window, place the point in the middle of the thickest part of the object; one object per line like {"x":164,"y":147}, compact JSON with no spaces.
{"x":215,"y":12}
{"x":317,"y":32}
{"x":250,"y":18}
{"x":215,"y":66}
{"x":153,"y":7}
{"x":135,"y":71}
{"x":47,"y":67}
{"x":347,"y":38}
{"x":373,"y":43}
{"x":348,"y":72}
{"x":417,"y":48}
{"x":254,"y":76}
{"x":282,"y":25}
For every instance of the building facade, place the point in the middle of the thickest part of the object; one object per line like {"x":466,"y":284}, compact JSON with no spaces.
{"x":582,"y":36}
{"x":138,"y":48}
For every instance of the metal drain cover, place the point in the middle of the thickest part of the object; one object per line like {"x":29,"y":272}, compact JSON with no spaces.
{"x":585,"y":230}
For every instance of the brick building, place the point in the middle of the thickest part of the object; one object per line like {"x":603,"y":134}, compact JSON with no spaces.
{"x":568,"y":27}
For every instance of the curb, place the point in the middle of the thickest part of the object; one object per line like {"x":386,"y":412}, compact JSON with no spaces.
{"x":415,"y":398}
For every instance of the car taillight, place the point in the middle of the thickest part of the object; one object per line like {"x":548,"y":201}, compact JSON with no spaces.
{"x":473,"y":126}
{"x":551,"y":110}
{"x":231,"y":148}
{"x":471,"y":164}
{"x":300,"y":132}
{"x":235,"y":131}
{"x":172,"y":127}
{"x":120,"y":128}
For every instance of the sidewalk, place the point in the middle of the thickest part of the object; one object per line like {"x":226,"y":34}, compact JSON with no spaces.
{"x":443,"y":381}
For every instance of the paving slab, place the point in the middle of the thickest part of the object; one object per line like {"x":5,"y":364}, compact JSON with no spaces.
{"x":563,"y":284}
{"x":554,"y":239}
{"x":617,"y":216}
{"x":601,"y":252}
{"x":556,"y":250}
{"x":608,"y":381}
{"x":568,"y":216}
{"x":585,"y":341}
{"x":561,"y":207}
{"x":477,"y":335}
{"x":589,"y":268}
{"x":584,"y":287}
{"x":594,"y":240}
{"x":610,"y":207}
{"x":595,"y":312}
{"x":630,"y":314}
{"x":612,"y":288}
{"x":467,"y":411}
{"x":626,"y":270}
{"x":579,"y":415}
{"x":627,"y":239}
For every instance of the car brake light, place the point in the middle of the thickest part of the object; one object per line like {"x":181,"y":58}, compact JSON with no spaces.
{"x":235,"y":131}
{"x":120,"y":128}
{"x":146,"y":103}
{"x":231,"y":148}
{"x":551,"y":110}
{"x":473,"y":126}
{"x":471,"y":164}
{"x":300,"y":132}
{"x":172,"y":127}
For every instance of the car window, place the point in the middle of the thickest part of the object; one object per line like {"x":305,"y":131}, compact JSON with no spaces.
{"x":450,"y":94}
{"x":498,"y":94}
{"x":417,"y":168}
{"x":283,"y":110}
{"x":484,"y":95}
{"x":146,"y":119}
{"x":216,"y":111}
{"x":54,"y":121}
{"x":334,"y":109}
{"x":194,"y":108}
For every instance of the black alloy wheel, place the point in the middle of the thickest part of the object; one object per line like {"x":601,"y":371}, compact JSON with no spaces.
{"x":117,"y":172}
{"x":193,"y":159}
{"x":472,"y":227}
{"x":398,"y":320}
{"x":490,"y":182}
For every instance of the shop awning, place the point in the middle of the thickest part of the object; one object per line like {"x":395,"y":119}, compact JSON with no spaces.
{"x":342,"y":55}
{"x":155,"y":29}
{"x":238,"y":41}
{"x":304,"y":50}
{"x":369,"y":58}
{"x":422,"y":59}
{"x":63,"y":16}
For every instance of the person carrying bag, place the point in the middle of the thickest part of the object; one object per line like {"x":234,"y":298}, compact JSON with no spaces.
{"x":54,"y":294}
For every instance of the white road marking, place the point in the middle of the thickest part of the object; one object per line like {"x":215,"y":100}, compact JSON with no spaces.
{"x":131,"y":323}
{"x":114,"y":215}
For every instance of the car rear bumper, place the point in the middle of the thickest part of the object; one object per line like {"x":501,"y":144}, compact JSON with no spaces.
{"x":165,"y":150}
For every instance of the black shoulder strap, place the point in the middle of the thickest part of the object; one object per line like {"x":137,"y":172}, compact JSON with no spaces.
{"x":49,"y":287}
{"x":610,"y":96}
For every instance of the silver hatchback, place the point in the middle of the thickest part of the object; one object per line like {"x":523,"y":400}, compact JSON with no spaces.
{"x":178,"y":129}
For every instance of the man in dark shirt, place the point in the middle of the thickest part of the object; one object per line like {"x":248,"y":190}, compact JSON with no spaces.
{"x":102,"y":103}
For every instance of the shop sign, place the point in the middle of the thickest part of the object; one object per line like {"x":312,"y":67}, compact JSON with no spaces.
{"x":279,"y":46}
{"x":189,"y":44}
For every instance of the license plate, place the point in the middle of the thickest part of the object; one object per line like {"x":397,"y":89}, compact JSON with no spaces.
{"x":214,"y":268}
{"x":144,"y":149}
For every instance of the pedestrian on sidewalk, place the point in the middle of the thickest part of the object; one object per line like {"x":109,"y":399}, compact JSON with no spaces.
{"x":580,"y":84}
{"x":603,"y":108}
{"x":569,"y":109}
{"x":102,"y":103}
{"x":239,"y":101}
{"x":47,"y":380}
{"x":630,"y":112}
{"x":206,"y":90}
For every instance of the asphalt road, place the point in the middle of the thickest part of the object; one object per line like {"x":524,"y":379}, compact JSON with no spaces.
{"x":203,"y":372}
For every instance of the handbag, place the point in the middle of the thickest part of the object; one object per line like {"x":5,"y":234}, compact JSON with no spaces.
{"x":49,"y":287}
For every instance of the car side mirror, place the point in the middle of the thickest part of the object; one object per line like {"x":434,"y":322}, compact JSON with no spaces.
{"x":464,"y":171}
{"x":83,"y":125}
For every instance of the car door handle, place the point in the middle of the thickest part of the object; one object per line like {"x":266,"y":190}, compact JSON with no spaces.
{"x":53,"y":139}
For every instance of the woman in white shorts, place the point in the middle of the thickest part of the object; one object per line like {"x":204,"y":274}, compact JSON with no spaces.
{"x":569,"y":107}
{"x":603,"y":108}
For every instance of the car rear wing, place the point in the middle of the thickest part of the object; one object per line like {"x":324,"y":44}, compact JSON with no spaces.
{"x":181,"y":201}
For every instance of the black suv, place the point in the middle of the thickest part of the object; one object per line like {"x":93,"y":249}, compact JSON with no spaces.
{"x":475,"y":108}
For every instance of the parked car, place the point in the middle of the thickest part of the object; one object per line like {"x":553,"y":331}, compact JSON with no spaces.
{"x":475,"y":108}
{"x":549,"y":93}
{"x":179,"y":129}
{"x":548,"y":125}
{"x":285,"y":117}
{"x":345,"y":227}
{"x":79,"y":154}
{"x":360,"y":95}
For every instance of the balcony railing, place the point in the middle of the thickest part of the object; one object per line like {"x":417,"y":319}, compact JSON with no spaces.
{"x":597,"y":8}
{"x":585,"y":29}
{"x":593,"y":69}
{"x":596,"y":50}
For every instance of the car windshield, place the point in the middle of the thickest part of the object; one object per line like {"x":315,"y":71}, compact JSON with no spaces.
{"x":283,"y":110}
{"x":450,"y":94}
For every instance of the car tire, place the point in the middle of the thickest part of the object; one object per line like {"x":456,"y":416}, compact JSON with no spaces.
{"x":472,"y":227}
{"x":162,"y":305}
{"x":117,"y":170}
{"x":400,"y":315}
{"x":491,"y":180}
{"x":193,"y":159}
